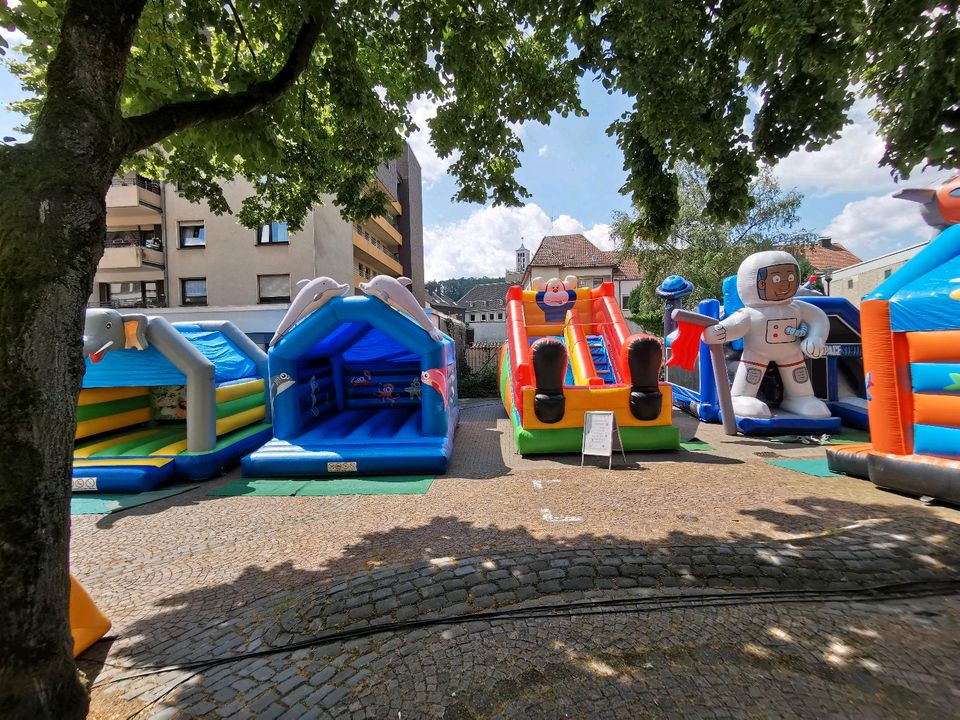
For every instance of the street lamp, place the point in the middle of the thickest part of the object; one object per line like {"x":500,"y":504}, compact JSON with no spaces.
{"x":827,"y":277}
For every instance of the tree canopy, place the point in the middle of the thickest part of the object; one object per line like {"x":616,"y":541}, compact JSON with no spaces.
{"x":456,"y":288}
{"x":309,"y":97}
{"x":703,"y":250}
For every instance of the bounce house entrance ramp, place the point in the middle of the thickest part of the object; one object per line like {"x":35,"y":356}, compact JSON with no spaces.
{"x":359,"y":387}
{"x":570,"y":352}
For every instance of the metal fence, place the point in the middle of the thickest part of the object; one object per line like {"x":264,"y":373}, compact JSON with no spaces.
{"x":479,"y":356}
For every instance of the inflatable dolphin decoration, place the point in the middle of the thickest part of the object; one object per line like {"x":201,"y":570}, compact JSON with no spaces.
{"x":313,"y":295}
{"x":393,"y":291}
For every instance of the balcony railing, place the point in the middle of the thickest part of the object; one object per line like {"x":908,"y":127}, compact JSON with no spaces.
{"x":376,"y":242}
{"x":131,"y":179}
{"x":132,"y":239}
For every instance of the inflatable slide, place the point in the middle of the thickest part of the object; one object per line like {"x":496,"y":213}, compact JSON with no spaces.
{"x":911,"y":348}
{"x":161,"y":401}
{"x":837,"y":378}
{"x":569,"y":351}
{"x":360,"y":384}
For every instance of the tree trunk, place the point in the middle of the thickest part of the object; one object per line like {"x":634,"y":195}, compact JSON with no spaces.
{"x":52,"y":224}
{"x":47,"y":261}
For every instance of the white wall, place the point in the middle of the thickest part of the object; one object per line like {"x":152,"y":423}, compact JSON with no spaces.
{"x":489,"y":331}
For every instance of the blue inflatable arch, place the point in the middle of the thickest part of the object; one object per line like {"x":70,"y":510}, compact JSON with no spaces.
{"x":358,"y":386}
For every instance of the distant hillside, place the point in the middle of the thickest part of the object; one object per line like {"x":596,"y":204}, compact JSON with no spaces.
{"x":456,"y":288}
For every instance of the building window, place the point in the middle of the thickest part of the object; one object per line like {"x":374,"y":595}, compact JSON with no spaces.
{"x":499,"y":316}
{"x":483,"y":317}
{"x":273,"y":234}
{"x":274,"y":288}
{"x":850,"y":284}
{"x":192,"y":235}
{"x":625,"y":302}
{"x":887,"y":273}
{"x":136,"y":294}
{"x":597,"y":282}
{"x":193,"y":291}
{"x":472,"y":317}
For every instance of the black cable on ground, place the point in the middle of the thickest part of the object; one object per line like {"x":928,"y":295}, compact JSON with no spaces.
{"x":876,"y":593}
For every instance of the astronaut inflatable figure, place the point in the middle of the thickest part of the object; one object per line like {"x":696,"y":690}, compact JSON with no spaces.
{"x":775,"y":328}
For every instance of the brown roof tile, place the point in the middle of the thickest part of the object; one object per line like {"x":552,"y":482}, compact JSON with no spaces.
{"x":575,"y":251}
{"x":834,"y":257}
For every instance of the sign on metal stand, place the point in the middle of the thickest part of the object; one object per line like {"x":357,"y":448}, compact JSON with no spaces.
{"x":599,"y":429}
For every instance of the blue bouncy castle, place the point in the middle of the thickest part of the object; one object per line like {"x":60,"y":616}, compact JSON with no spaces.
{"x":360,"y":385}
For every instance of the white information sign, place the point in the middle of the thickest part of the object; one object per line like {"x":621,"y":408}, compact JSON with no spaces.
{"x":599,"y":428}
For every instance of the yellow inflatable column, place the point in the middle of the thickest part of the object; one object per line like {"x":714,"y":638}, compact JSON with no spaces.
{"x":87,"y":623}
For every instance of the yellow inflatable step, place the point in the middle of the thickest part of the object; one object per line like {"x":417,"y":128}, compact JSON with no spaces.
{"x":87,"y":623}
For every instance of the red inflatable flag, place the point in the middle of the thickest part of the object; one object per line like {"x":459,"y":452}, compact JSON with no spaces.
{"x":686,"y":345}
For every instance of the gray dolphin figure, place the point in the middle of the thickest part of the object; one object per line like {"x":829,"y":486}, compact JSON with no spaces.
{"x":392,"y":291}
{"x":312,"y":296}
{"x":279,"y":383}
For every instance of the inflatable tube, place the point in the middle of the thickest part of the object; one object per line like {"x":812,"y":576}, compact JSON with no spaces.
{"x":850,"y":460}
{"x":919,"y":475}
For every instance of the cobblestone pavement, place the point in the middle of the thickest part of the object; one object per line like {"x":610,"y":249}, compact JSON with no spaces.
{"x":194,"y":578}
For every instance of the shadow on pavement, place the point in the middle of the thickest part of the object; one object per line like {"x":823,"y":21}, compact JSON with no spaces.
{"x":508,"y":669}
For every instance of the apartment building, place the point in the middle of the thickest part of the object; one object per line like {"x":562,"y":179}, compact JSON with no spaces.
{"x":854,"y":281}
{"x":184,"y":262}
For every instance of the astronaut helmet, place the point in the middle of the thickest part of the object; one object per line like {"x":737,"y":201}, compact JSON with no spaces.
{"x":768,"y":278}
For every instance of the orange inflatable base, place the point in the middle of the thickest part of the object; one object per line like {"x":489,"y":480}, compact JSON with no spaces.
{"x":87,"y":623}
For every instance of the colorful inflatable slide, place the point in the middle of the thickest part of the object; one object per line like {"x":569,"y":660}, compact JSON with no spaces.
{"x":162,"y":400}
{"x":911,"y":352}
{"x":360,"y":384}
{"x":569,"y":351}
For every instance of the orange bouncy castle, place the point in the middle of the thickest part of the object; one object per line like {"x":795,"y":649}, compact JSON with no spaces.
{"x":569,"y":351}
{"x":911,"y":357}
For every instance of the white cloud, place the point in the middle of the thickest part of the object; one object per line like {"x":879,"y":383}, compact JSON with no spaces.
{"x":484,"y":243}
{"x":877,"y":225}
{"x":542,"y":151}
{"x":432,"y":166}
{"x":850,"y":164}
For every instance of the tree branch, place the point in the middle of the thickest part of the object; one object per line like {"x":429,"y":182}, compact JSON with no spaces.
{"x":142,"y":131}
{"x":243,"y":32}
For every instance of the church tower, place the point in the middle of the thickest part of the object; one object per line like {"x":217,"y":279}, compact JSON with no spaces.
{"x":523,"y":258}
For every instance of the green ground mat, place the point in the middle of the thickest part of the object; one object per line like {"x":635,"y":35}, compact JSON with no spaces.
{"x":392,"y":485}
{"x":849,"y":436}
{"x":259,"y":488}
{"x":280,"y":487}
{"x":696,"y":445}
{"x":105,"y":503}
{"x":808,"y":466}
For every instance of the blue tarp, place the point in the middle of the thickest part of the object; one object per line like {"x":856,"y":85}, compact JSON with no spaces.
{"x":134,"y":368}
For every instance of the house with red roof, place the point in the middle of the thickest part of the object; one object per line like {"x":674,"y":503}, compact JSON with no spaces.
{"x":562,"y":255}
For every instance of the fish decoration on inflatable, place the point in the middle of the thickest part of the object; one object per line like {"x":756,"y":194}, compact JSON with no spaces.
{"x":437,"y":379}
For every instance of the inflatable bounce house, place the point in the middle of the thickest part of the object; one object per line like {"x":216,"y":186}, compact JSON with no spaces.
{"x":569,"y":351}
{"x":361,"y":384}
{"x":776,"y":359}
{"x":161,"y":400}
{"x":911,"y":344}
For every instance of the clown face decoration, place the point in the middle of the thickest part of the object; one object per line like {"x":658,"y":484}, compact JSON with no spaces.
{"x":555,"y":296}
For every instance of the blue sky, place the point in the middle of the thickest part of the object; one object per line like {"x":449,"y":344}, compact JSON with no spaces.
{"x":573,"y":171}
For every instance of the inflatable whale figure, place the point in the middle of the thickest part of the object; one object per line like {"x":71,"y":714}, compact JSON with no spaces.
{"x":393,"y":291}
{"x":313,"y":295}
